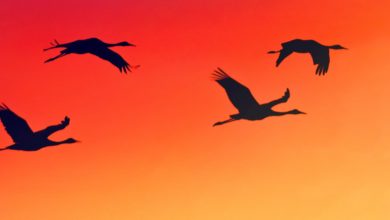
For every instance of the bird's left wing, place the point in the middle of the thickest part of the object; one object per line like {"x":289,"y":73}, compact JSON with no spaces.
{"x":240,"y":96}
{"x":16,"y":126}
{"x":114,"y":58}
{"x":321,"y":57}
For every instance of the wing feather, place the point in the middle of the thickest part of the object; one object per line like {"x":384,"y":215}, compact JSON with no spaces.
{"x":114,"y":58}
{"x":321,"y":57}
{"x":15,"y":126}
{"x":240,"y":96}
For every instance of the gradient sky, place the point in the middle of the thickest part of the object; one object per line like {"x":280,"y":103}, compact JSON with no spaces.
{"x":148,"y":149}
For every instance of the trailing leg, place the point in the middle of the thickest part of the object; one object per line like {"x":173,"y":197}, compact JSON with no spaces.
{"x":223,"y":122}
{"x":56,"y":57}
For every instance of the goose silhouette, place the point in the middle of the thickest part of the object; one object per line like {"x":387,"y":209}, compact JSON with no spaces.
{"x":23,"y":136}
{"x":96,"y":47}
{"x":319,"y":53}
{"x":247,"y":106}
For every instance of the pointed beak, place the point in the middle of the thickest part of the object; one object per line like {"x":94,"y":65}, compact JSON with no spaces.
{"x":132,"y":45}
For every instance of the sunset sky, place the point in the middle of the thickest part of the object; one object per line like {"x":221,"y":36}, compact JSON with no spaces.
{"x":148,"y":150}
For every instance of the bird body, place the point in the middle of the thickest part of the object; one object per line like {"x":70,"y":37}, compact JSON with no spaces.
{"x":37,"y":143}
{"x":22,"y":135}
{"x":318,"y":52}
{"x":86,"y":45}
{"x":247,"y":106}
{"x":257,"y":113}
{"x":96,"y":47}
{"x":302,"y":46}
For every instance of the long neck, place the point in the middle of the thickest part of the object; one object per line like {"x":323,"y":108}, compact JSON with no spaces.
{"x":36,"y":146}
{"x":54,"y":143}
{"x":49,"y":143}
{"x":335,"y":47}
{"x":292,"y":112}
{"x":113,"y":45}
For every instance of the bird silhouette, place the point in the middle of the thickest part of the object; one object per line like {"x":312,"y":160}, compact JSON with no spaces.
{"x":247,"y":106}
{"x":22,"y":135}
{"x":319,"y":53}
{"x":96,"y":47}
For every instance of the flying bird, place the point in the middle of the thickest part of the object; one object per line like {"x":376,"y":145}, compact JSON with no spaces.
{"x":96,"y":47}
{"x":23,"y":136}
{"x":319,"y":53}
{"x":247,"y":106}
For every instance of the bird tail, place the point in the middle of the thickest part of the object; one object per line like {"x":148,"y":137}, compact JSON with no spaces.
{"x":274,"y":51}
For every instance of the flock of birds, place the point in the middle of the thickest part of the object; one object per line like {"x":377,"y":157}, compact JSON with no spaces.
{"x":26,"y":139}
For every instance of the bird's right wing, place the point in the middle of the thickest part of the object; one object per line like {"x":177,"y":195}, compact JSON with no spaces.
{"x":239,"y":95}
{"x":283,"y":54}
{"x":286,"y":51}
{"x":114,"y":58}
{"x":16,"y":126}
{"x":321,"y":57}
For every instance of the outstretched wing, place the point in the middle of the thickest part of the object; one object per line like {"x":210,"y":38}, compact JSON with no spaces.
{"x":288,"y":48}
{"x":321,"y":57}
{"x":16,"y":126}
{"x":53,"y":128}
{"x":112,"y":57}
{"x":282,"y":55}
{"x":239,"y":95}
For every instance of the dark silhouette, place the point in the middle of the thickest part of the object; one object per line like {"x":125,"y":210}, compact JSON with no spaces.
{"x":96,"y":47}
{"x":319,"y":53}
{"x":22,"y":135}
{"x":247,"y":106}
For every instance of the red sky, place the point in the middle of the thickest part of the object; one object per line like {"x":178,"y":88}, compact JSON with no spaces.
{"x":148,"y":149}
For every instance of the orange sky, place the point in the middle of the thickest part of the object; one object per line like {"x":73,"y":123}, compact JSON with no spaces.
{"x":148,"y":149}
